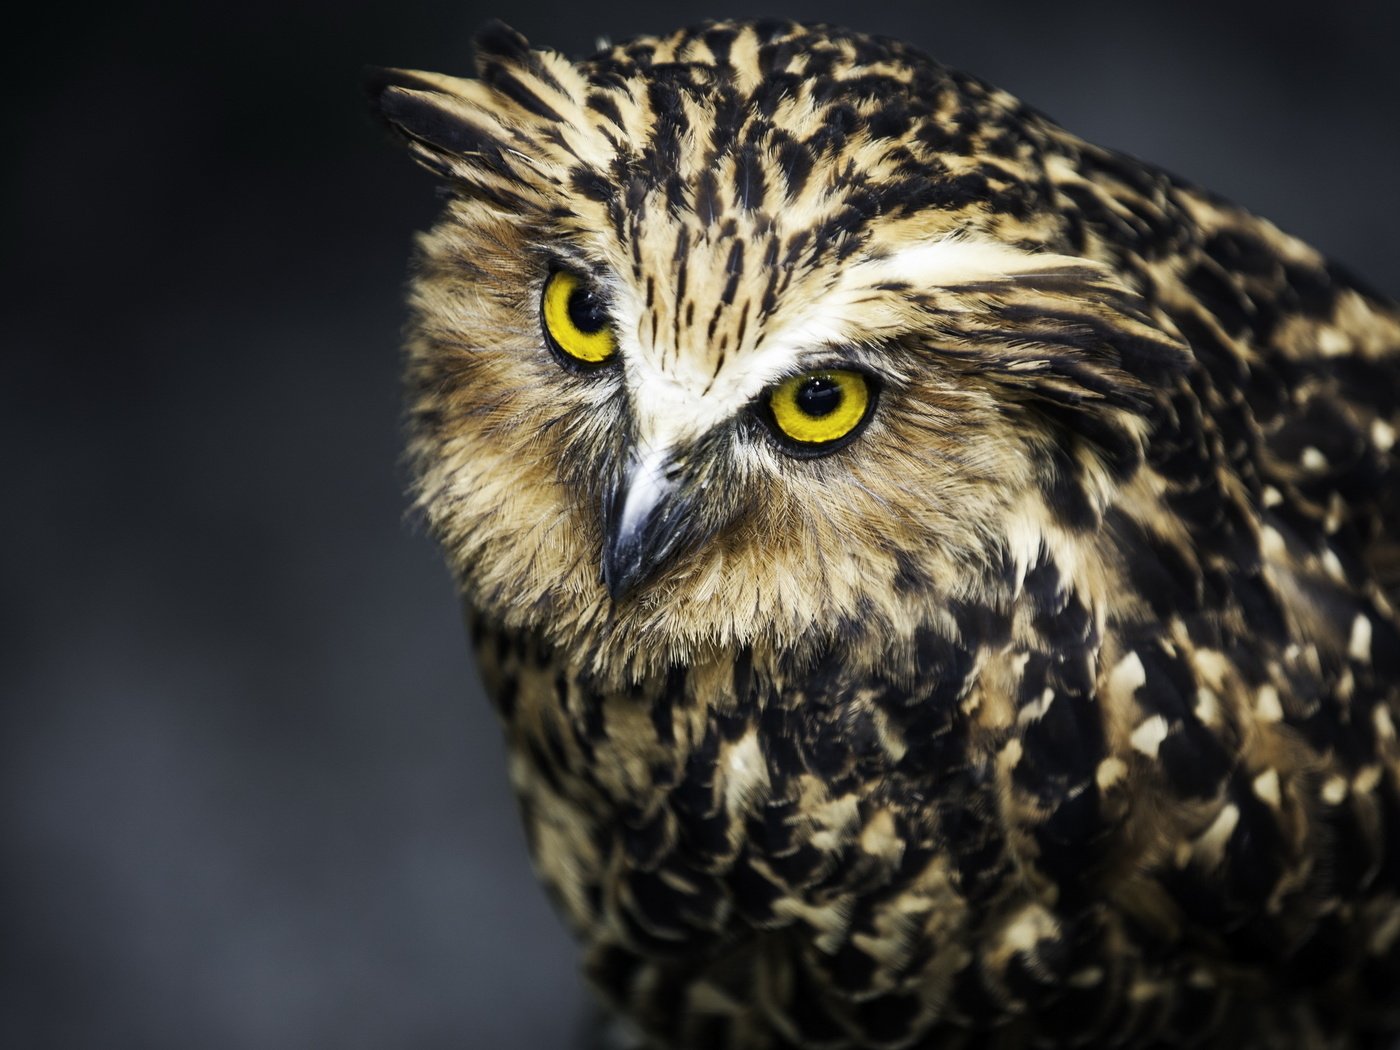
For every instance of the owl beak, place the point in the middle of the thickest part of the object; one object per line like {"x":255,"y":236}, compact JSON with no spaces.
{"x":641,"y":522}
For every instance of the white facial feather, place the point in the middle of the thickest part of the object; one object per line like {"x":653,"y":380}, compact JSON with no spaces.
{"x":678,"y":398}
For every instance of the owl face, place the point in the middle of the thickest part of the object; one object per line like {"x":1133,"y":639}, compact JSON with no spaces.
{"x":714,"y":347}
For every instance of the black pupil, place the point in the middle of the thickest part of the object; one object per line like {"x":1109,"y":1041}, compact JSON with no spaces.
{"x":586,"y":311}
{"x":819,"y":396}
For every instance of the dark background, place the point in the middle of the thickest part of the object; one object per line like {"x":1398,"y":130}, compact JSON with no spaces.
{"x":251,"y":795}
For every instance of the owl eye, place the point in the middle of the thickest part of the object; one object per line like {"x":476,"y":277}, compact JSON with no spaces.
{"x":576,"y":321}
{"x":817,"y":412}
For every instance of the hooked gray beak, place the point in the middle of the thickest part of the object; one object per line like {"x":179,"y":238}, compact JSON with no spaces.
{"x":644,"y":521}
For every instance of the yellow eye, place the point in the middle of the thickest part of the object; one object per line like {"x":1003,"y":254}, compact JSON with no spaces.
{"x":819,"y":408}
{"x":576,"y":321}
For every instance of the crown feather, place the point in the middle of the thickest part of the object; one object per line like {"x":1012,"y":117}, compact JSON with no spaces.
{"x":517,"y":135}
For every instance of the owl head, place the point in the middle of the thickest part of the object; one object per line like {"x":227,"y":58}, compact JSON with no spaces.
{"x":754,"y":334}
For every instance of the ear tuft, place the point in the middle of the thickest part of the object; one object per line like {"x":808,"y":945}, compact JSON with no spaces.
{"x":378,"y":79}
{"x":441,"y":134}
{"x":499,"y":41}
{"x":497,"y":136}
{"x":380,"y":84}
{"x":419,"y":116}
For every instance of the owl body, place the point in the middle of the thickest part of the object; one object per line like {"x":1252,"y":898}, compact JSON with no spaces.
{"x":936,"y":575}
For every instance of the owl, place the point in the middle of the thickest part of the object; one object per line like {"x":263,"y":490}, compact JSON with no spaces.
{"x":937,"y":577}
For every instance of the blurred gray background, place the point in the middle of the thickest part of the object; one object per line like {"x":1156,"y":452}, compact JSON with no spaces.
{"x":251,"y":794}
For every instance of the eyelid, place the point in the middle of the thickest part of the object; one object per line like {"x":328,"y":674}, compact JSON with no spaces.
{"x":833,"y":359}
{"x":808,"y":366}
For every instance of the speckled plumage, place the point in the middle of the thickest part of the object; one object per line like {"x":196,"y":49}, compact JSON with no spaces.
{"x":1058,"y":707}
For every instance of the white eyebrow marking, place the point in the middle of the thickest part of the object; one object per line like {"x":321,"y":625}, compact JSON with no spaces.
{"x":678,"y":398}
{"x":959,"y":259}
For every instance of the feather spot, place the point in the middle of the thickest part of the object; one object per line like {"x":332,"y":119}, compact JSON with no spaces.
{"x":1312,"y":459}
{"x":1031,"y":926}
{"x":1336,"y":514}
{"x":1334,"y":791}
{"x":1111,"y":770}
{"x":1148,"y":736}
{"x":879,"y":838}
{"x":1385,"y":728}
{"x":1266,"y":788}
{"x":1359,"y":647}
{"x":1382,"y":435}
{"x":1127,"y":676}
{"x":1036,"y":710}
{"x":1210,"y":847}
{"x":1332,"y":342}
{"x":1207,"y":707}
{"x":1366,"y":779}
{"x":748,"y":773}
{"x":1332,"y":565}
{"x":1272,"y":544}
{"x":1267,"y":704}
